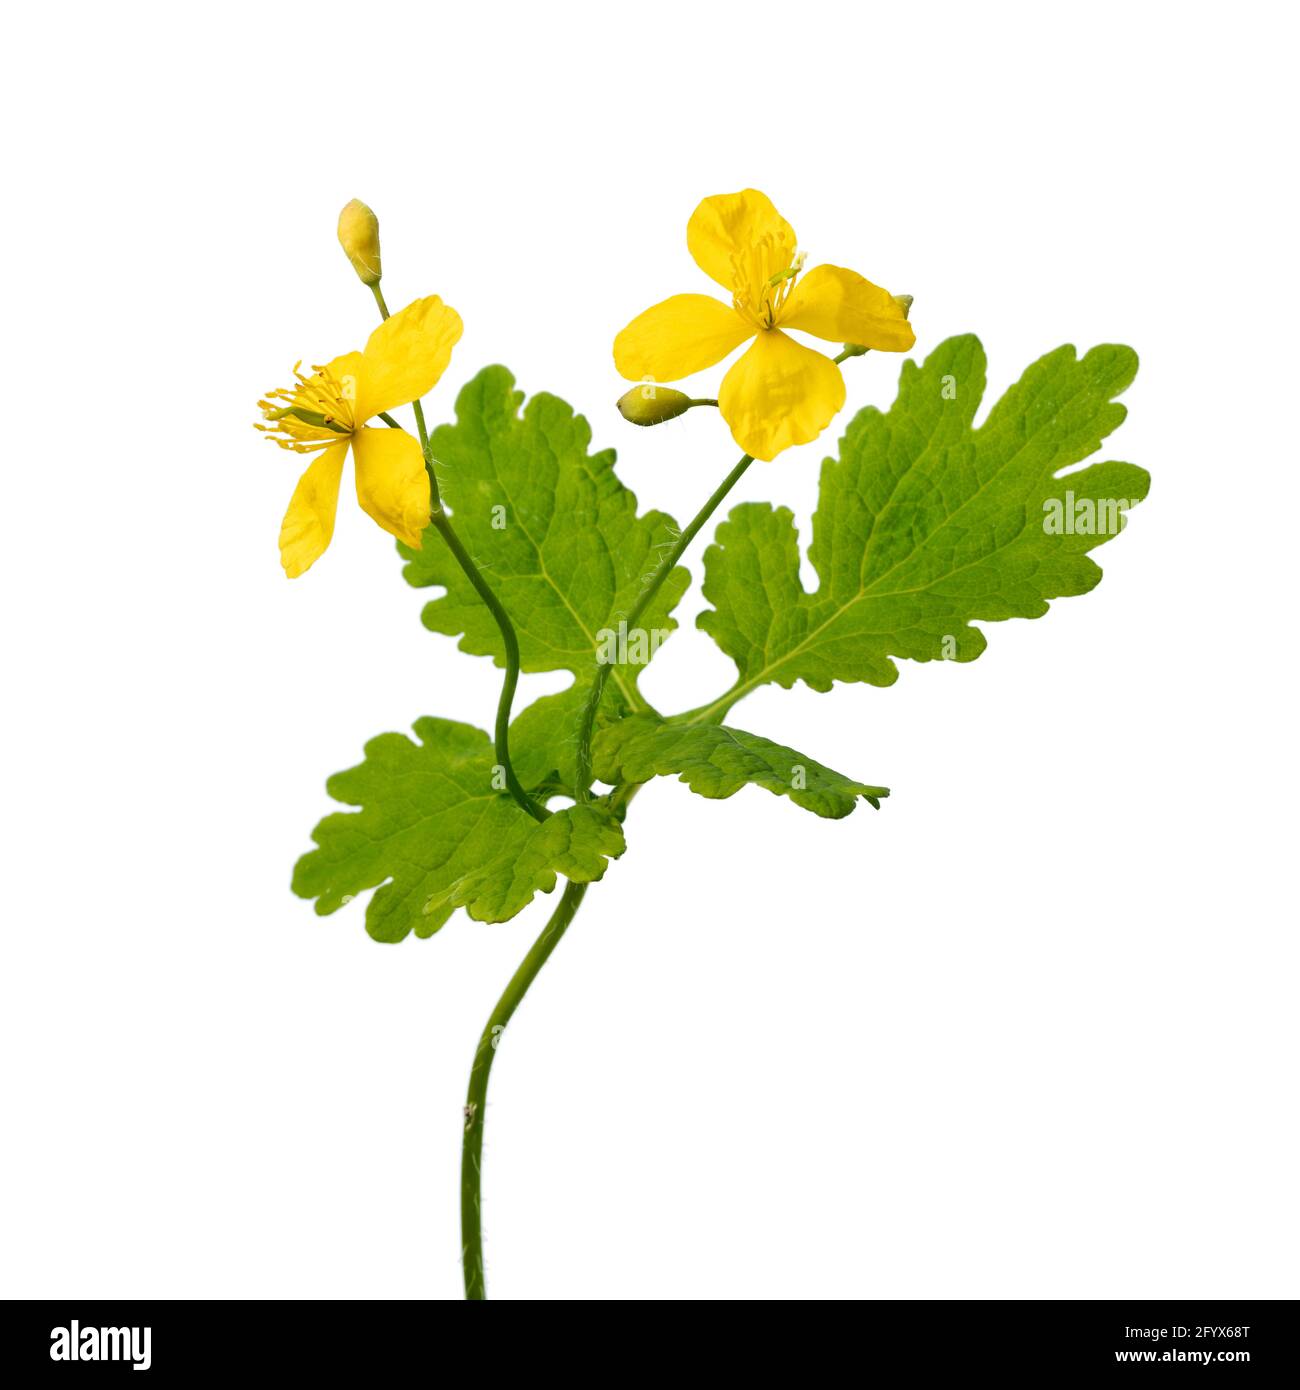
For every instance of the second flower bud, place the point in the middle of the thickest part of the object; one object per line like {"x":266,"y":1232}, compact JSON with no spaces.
{"x":652,"y":405}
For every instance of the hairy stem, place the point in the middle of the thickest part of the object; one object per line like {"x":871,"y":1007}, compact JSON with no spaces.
{"x":442,"y":524}
{"x":652,"y":586}
{"x":471,"y":1176}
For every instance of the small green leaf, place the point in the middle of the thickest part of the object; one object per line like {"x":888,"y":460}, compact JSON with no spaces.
{"x":433,"y":834}
{"x":925,"y":524}
{"x":716,"y":761}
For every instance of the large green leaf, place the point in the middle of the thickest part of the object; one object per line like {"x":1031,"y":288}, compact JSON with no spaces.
{"x":555,"y":531}
{"x":925,"y":524}
{"x":716,"y":761}
{"x":433,"y":833}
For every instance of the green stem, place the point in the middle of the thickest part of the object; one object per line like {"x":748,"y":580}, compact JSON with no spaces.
{"x":715,"y":710}
{"x":471,"y":1175}
{"x":652,"y":587}
{"x":434,"y":494}
{"x":442,"y":524}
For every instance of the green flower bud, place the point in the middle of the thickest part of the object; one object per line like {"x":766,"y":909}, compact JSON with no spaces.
{"x":359,"y":238}
{"x":652,"y":405}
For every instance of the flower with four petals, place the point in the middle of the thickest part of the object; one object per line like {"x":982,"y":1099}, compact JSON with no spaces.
{"x":326,"y":412}
{"x":779,"y":392}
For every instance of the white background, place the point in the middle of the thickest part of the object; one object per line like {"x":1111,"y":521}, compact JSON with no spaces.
{"x":1028,"y":1031}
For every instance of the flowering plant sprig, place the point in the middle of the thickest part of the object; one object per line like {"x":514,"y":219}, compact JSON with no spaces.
{"x":925,"y":525}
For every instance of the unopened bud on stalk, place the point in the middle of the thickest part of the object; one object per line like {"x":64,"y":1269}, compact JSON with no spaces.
{"x":359,"y":238}
{"x":652,"y":405}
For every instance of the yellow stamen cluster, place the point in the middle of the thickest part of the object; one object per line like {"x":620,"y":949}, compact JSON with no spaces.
{"x":312,"y":415}
{"x":761,"y":281}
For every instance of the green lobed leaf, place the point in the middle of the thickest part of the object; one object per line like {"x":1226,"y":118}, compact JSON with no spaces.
{"x":716,"y":761}
{"x":925,"y":524}
{"x":433,"y":834}
{"x":554,"y":529}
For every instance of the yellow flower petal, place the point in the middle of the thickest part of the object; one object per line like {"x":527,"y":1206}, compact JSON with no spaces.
{"x":392,"y":485}
{"x":309,"y":522}
{"x":780,"y":393}
{"x":681,"y":335}
{"x":406,"y":355}
{"x":842,"y":307}
{"x":729,"y":231}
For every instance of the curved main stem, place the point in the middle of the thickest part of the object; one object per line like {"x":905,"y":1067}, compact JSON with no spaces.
{"x":652,"y":586}
{"x":441,"y":522}
{"x":471,"y":1177}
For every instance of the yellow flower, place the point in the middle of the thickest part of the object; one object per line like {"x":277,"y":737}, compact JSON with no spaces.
{"x":327,"y":411}
{"x":779,"y":392}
